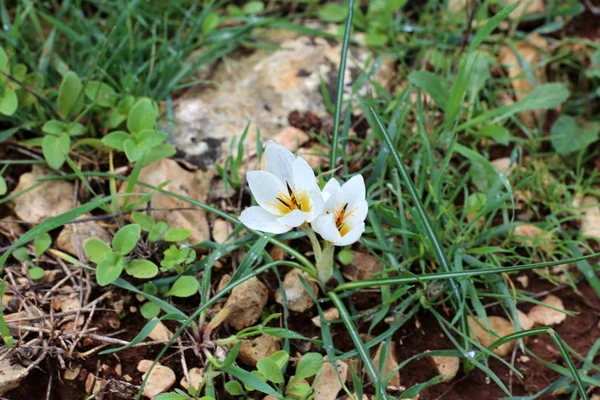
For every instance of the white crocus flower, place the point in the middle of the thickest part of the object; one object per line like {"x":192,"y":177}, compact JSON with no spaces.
{"x":345,"y":211}
{"x":287,"y":193}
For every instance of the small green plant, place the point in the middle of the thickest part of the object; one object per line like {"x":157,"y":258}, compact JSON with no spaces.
{"x":158,"y":231}
{"x":40,"y":245}
{"x":112,"y":261}
{"x":177,"y":259}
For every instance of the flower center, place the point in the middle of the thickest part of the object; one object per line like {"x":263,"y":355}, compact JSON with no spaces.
{"x":341,"y":214}
{"x":290,"y":201}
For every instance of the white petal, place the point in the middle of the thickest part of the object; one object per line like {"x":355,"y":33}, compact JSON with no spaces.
{"x":317,"y":203}
{"x":359,"y":212}
{"x":258,"y":219}
{"x":331,"y":189}
{"x":294,"y":218}
{"x":265,"y":187}
{"x":325,"y":226}
{"x":352,"y":236}
{"x":353,"y":190}
{"x":304,"y":176}
{"x":279,"y":161}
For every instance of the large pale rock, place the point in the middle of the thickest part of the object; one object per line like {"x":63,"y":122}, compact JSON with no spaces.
{"x":168,"y":208}
{"x":363,"y":266}
{"x":246,"y":303}
{"x":329,"y":315}
{"x":390,"y":364}
{"x":590,"y":221}
{"x":448,"y":366}
{"x":160,"y":380}
{"x":47,"y":200}
{"x":329,"y":380}
{"x":263,"y":88}
{"x":72,"y":236}
{"x":11,"y":374}
{"x":546,"y":316}
{"x":197,"y":378}
{"x":531,"y":51}
{"x":260,"y":347}
{"x":160,"y":332}
{"x":298,"y":299}
{"x":498,"y":328}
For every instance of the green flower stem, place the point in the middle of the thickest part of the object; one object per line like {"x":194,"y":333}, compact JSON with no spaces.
{"x":323,"y":257}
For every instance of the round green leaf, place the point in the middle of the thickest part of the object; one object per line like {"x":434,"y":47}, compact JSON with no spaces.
{"x":150,"y":288}
{"x":333,"y":12}
{"x":108,"y":272}
{"x":100,"y":92}
{"x":95,"y":249}
{"x":145,"y":221}
{"x":309,"y":365}
{"x":21,"y":254}
{"x":280,"y":357}
{"x":176,"y":234}
{"x":9,"y":102}
{"x":53,"y":127}
{"x":115,"y":140}
{"x":3,"y":186}
{"x":345,"y":257}
{"x":41,"y":244}
{"x":270,"y":370}
{"x":184,"y":286}
{"x":150,"y":310}
{"x":55,"y":149}
{"x":126,"y":238}
{"x":70,"y":100}
{"x":142,"y":116}
{"x":253,"y":7}
{"x":36,"y":273}
{"x":142,"y":269}
{"x":234,"y":388}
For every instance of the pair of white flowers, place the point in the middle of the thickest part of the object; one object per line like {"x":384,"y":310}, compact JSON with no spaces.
{"x":288,"y":197}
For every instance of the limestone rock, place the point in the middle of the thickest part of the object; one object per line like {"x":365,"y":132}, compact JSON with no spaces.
{"x":526,"y":7}
{"x":590,"y":221}
{"x":246,"y":302}
{"x":390,"y":364}
{"x":160,"y":380}
{"x":547,"y":316}
{"x":503,"y":165}
{"x":524,"y":321}
{"x":196,"y":377}
{"x":298,"y":299}
{"x":533,"y":236}
{"x":221,"y":230}
{"x":329,"y":315}
{"x":446,"y":366}
{"x":291,"y":138}
{"x":11,"y":374}
{"x":160,"y":332}
{"x":363,"y":266}
{"x":47,"y":200}
{"x":72,"y":236}
{"x":329,"y":383}
{"x":168,"y":208}
{"x":499,"y":327}
{"x":264,"y":88}
{"x":260,"y":347}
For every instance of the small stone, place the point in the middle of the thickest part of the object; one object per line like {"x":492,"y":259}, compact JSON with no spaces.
{"x":524,"y":321}
{"x":260,"y":347}
{"x":72,"y":236}
{"x":93,"y":384}
{"x":363,"y":266}
{"x":499,"y":327}
{"x":298,"y":299}
{"x":246,"y":303}
{"x":329,"y":315}
{"x":118,"y":369}
{"x":291,"y":138}
{"x":526,"y":7}
{"x":221,"y":230}
{"x":446,"y":366}
{"x":47,"y":200}
{"x":160,"y":380}
{"x":523,"y":280}
{"x":390,"y":364}
{"x":503,"y":165}
{"x":329,"y":382}
{"x":196,"y":378}
{"x":72,"y":373}
{"x":524,"y":359}
{"x":277,"y":254}
{"x":547,"y":316}
{"x":223,"y":282}
{"x":11,"y":374}
{"x":590,"y":220}
{"x":160,"y":332}
{"x":533,"y":236}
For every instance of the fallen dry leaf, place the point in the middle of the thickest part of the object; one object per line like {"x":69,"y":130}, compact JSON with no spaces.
{"x":329,"y":315}
{"x":499,"y":327}
{"x":246,"y":303}
{"x":11,"y":374}
{"x":329,"y":383}
{"x":446,"y":366}
{"x":390,"y":364}
{"x":160,"y":380}
{"x":363,"y":266}
{"x":547,"y":316}
{"x":296,"y":295}
{"x":196,"y":377}
{"x":260,"y":347}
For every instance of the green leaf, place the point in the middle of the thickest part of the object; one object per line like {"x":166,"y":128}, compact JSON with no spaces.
{"x":345,"y":257}
{"x":184,"y":286}
{"x":3,"y":186}
{"x":100,"y":91}
{"x":280,"y":358}
{"x":270,"y":370}
{"x":309,"y":365}
{"x":126,"y":238}
{"x":53,"y":127}
{"x":41,"y":244}
{"x":21,"y":254}
{"x":176,"y":234}
{"x":253,"y":7}
{"x":96,"y":249}
{"x":251,"y":380}
{"x":35,"y":82}
{"x":498,"y":133}
{"x":211,"y":22}
{"x":3,"y":63}
{"x":55,"y":149}
{"x":432,"y":85}
{"x":133,"y":152}
{"x":544,"y":97}
{"x":141,"y":269}
{"x":158,"y":230}
{"x":150,"y":310}
{"x":107,"y":272}
{"x":568,"y":136}
{"x":143,"y":220}
{"x":150,"y":288}
{"x":172,"y":396}
{"x":298,"y":390}
{"x":376,"y":38}
{"x":234,"y":388}
{"x":142,"y":116}
{"x":116,"y":139}
{"x":9,"y":102}
{"x":36,"y":273}
{"x":69,"y":98}
{"x":75,"y":129}
{"x":332,"y":12}
{"x":159,"y":152}
{"x":475,"y":202}
{"x":148,"y":138}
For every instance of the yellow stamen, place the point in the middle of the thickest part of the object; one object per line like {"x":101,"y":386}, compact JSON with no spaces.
{"x":341,"y":214}
{"x":290,"y":201}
